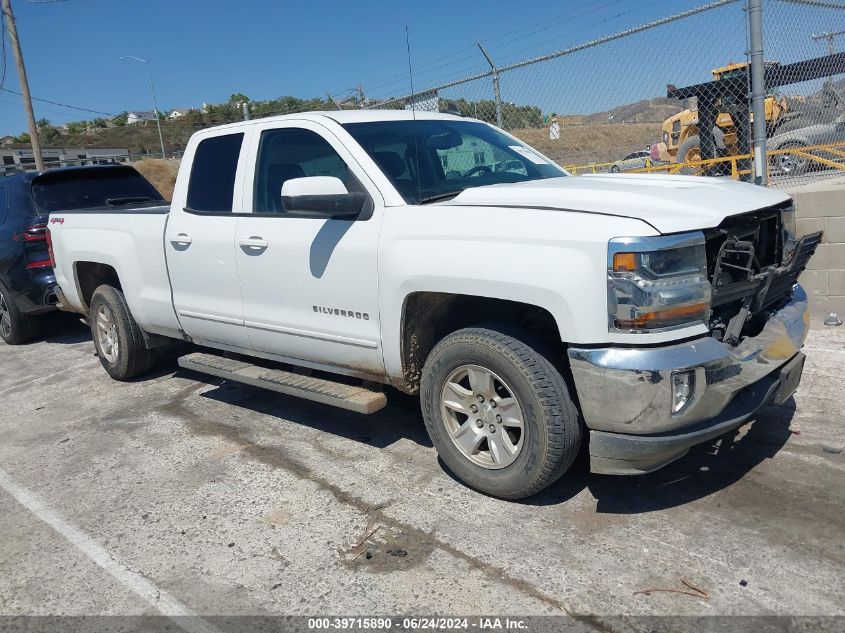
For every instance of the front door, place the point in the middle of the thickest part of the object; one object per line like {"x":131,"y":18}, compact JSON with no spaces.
{"x":309,"y":285}
{"x":200,"y":245}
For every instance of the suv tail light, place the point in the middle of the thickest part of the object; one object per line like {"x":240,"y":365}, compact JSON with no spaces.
{"x":32,"y":233}
{"x":50,"y":249}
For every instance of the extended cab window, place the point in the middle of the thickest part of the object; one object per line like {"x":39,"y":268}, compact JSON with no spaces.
{"x":212,"y":185}
{"x":289,"y":153}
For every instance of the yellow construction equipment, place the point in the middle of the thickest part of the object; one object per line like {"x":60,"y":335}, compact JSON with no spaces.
{"x":680,"y":142}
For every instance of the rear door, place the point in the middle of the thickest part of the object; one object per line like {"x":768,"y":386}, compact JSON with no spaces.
{"x":199,"y":242}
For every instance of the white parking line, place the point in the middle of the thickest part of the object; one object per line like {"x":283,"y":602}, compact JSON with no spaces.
{"x":166,"y":604}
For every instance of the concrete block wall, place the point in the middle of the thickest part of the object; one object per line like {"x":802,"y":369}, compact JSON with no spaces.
{"x":821,"y":207}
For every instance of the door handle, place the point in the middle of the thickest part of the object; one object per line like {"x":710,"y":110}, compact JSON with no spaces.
{"x":255,"y":242}
{"x":182,"y":239}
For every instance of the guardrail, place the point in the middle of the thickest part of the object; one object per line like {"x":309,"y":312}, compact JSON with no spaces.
{"x":727,"y":165}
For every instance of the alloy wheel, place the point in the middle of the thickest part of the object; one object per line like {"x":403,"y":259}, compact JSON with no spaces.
{"x":5,"y":317}
{"x":482,"y":417}
{"x":107,"y":334}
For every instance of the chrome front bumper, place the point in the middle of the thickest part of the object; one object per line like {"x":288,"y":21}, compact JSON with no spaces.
{"x":628,"y":390}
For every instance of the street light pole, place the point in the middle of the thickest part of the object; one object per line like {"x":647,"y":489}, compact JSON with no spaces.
{"x":153,"y":91}
{"x":27,"y":99}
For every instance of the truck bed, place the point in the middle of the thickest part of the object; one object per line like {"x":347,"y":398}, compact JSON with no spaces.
{"x":130,"y":240}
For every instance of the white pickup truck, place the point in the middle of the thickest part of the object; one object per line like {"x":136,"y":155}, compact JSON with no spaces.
{"x":533,"y":312}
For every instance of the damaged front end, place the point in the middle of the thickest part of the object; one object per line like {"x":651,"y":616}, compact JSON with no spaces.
{"x":753,"y":262}
{"x":646,"y":405}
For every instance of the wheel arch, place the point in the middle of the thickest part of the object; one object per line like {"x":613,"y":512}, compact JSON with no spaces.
{"x":428,"y":316}
{"x":90,"y":275}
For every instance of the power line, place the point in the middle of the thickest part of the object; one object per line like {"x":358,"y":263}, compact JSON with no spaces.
{"x":534,"y":28}
{"x":56,"y":103}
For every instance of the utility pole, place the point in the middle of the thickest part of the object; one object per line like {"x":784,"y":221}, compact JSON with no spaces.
{"x":245,"y":108}
{"x":497,"y":93}
{"x":27,"y":98}
{"x":829,"y":36}
{"x":333,"y":102}
{"x":758,"y":90}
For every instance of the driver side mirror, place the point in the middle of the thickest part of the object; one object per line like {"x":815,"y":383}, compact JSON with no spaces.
{"x":321,"y":197}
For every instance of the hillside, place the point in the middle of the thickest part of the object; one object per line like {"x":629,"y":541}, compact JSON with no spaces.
{"x":597,"y":142}
{"x":654,"y":110}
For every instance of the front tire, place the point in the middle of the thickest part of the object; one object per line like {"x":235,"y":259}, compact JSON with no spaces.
{"x":117,"y":337}
{"x":16,"y":327}
{"x":498,"y":412}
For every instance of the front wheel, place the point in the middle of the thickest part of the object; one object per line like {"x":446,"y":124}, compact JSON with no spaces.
{"x":498,"y":412}
{"x":117,"y":337}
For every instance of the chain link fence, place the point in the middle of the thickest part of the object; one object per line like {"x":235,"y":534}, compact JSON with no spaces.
{"x":808,"y":137}
{"x":672,"y":95}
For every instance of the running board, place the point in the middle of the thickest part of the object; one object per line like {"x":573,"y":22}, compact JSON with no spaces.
{"x":336,"y":394}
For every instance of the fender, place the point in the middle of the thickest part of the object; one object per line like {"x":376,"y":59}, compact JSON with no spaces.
{"x":553,"y":260}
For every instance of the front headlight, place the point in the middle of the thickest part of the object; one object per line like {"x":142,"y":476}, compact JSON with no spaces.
{"x":657,"y":283}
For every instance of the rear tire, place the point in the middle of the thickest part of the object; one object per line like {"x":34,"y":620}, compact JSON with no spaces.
{"x":788,"y":164}
{"x":520,"y":444}
{"x":16,"y":327}
{"x":117,"y":336}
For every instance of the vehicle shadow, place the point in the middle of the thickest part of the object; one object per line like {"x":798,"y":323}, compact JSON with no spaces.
{"x":706,"y":469}
{"x":401,"y":419}
{"x":63,"y":328}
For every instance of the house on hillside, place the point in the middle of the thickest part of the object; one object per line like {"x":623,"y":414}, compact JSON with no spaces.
{"x":6,"y":140}
{"x":178,"y":113}
{"x":133,"y":118}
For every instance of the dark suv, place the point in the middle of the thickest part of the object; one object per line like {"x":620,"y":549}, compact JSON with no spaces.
{"x":27,"y":283}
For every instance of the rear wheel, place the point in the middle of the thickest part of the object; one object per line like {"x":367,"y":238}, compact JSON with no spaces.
{"x":787,"y":163}
{"x":15,"y":327}
{"x":117,"y":337}
{"x":498,"y":412}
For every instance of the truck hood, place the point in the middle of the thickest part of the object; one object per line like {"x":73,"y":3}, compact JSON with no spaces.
{"x":670,"y":204}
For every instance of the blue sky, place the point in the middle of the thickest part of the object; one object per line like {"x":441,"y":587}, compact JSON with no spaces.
{"x":204,"y":50}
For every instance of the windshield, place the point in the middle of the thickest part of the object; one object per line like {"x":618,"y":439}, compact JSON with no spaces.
{"x":431,"y":160}
{"x":87,"y":188}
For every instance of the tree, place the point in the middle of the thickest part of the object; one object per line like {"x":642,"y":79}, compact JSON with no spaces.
{"x":48,"y":134}
{"x":99,"y":122}
{"x":76,"y":127}
{"x":23,"y":137}
{"x":239,"y":97}
{"x":120,"y":119}
{"x":42,"y":123}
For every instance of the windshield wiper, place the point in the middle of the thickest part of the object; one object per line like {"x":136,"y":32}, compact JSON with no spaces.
{"x":117,"y":202}
{"x":441,"y":196}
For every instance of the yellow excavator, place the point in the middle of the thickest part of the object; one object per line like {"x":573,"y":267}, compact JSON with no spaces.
{"x":681,"y":143}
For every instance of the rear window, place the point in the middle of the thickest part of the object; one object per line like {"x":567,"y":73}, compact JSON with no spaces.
{"x":88,"y":188}
{"x":212,"y":185}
